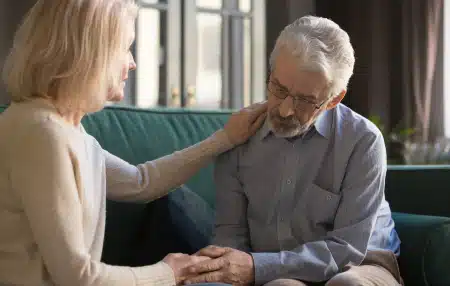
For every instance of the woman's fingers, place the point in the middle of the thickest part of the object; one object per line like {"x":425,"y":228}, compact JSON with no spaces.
{"x":206,"y":266}
{"x":256,"y":110}
{"x":243,"y":124}
{"x":258,"y":123}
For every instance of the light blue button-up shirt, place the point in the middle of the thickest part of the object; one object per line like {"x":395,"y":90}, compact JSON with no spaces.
{"x":306,"y":207}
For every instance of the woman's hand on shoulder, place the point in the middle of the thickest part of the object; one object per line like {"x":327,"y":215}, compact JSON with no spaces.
{"x":246,"y":122}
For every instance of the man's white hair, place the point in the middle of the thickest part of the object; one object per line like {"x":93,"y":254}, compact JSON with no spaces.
{"x":320,"y":45}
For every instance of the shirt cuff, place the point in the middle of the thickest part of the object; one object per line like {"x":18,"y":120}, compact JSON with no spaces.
{"x":267,"y":267}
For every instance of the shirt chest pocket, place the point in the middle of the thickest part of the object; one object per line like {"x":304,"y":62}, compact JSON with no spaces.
{"x":316,"y":209}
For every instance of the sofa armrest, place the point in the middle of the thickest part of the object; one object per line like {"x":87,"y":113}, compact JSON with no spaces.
{"x":425,"y":248}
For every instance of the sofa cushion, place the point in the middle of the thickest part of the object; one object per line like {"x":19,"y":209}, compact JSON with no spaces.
{"x":437,"y":255}
{"x":424,"y":248}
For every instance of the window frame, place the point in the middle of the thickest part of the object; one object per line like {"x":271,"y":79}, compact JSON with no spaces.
{"x":181,"y":63}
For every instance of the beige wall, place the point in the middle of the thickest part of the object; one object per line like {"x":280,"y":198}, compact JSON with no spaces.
{"x":11,"y":13}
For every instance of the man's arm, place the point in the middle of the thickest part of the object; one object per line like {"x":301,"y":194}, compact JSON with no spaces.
{"x":362,"y":194}
{"x":231,"y":204}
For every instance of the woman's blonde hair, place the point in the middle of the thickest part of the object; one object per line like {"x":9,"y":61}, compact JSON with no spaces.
{"x":69,"y":47}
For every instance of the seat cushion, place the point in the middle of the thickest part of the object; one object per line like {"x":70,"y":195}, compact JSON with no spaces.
{"x":424,"y":249}
{"x":437,"y":255}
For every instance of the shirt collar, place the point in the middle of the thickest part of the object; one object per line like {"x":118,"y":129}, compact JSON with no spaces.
{"x":322,"y":126}
{"x":323,"y":123}
{"x":265,"y":129}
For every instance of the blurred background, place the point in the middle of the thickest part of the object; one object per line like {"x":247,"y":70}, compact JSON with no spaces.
{"x":213,"y":54}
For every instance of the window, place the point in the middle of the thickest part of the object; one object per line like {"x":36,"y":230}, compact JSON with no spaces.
{"x":199,"y":53}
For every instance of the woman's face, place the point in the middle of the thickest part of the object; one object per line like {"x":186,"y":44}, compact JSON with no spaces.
{"x":117,"y":93}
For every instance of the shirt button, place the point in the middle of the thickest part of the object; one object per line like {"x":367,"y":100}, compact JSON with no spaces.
{"x":289,"y":182}
{"x":328,"y":197}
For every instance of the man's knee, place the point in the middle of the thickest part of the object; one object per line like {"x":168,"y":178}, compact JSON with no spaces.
{"x":285,"y":282}
{"x":348,"y":278}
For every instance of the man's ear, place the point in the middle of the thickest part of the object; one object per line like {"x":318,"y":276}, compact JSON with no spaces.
{"x":336,"y":100}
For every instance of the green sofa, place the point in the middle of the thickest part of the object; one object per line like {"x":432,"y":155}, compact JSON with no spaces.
{"x":138,"y":234}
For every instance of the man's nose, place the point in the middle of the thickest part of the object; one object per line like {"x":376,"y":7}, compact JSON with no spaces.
{"x":287,"y":107}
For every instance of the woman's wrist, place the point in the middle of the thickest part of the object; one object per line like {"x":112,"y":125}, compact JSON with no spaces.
{"x":157,"y":274}
{"x":222,"y":136}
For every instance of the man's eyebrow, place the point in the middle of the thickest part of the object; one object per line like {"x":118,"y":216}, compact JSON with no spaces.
{"x":307,"y":96}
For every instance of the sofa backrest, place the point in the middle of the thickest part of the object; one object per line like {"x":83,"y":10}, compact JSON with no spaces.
{"x":418,"y":189}
{"x":137,"y":135}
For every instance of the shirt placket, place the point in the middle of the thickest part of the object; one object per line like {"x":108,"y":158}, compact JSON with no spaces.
{"x":284,"y":229}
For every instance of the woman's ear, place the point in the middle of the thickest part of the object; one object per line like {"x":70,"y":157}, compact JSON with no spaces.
{"x":336,"y":100}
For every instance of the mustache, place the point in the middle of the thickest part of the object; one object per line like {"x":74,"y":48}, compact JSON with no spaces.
{"x":290,"y":120}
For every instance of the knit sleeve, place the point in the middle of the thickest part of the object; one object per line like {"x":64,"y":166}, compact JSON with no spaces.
{"x":44,"y":176}
{"x":154,"y":179}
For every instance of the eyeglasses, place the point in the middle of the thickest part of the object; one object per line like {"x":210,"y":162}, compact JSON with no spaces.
{"x":299,"y":101}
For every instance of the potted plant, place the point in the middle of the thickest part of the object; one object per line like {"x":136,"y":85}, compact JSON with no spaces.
{"x":396,"y":141}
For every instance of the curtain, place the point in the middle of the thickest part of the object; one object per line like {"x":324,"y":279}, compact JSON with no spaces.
{"x":421,"y":35}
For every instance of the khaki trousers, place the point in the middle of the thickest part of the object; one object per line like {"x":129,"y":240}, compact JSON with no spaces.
{"x":379,"y":268}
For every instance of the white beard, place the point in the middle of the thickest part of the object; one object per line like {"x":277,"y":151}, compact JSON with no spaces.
{"x":299,"y":130}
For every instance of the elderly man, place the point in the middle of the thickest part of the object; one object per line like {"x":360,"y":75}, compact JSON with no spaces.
{"x":302,"y":202}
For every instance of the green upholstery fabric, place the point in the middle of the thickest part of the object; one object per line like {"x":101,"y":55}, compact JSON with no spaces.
{"x":437,"y":254}
{"x":425,"y":249}
{"x":419,"y":189}
{"x":137,"y":234}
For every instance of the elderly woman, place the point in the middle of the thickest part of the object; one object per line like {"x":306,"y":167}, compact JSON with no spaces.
{"x":69,"y":58}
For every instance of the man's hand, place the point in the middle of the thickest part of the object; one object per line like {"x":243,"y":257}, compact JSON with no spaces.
{"x":227,"y":265}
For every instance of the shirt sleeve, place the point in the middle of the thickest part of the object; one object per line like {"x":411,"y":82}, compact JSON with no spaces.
{"x":362,"y":195}
{"x":154,"y":179}
{"x":231,"y":204}
{"x":44,"y":175}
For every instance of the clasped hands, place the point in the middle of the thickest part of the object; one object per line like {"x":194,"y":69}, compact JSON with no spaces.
{"x":213,"y":264}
